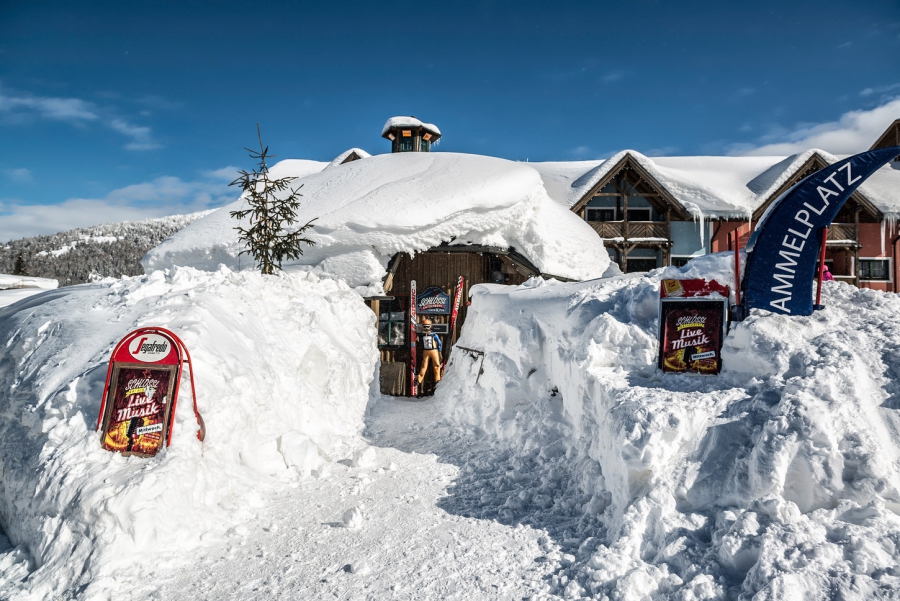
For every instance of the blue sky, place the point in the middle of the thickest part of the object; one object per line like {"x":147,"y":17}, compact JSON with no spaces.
{"x":115,"y":110}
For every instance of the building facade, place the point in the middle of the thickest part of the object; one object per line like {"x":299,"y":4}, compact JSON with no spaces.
{"x":654,"y":212}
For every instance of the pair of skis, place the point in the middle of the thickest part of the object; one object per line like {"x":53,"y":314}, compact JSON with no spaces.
{"x":414,"y":334}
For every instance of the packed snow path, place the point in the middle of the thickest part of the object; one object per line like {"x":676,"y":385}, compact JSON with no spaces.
{"x":414,"y":516}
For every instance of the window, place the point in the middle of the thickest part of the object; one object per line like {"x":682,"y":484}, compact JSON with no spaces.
{"x":638,"y":214}
{"x":392,"y":323}
{"x":601,"y":214}
{"x":405,"y":144}
{"x":874,"y":269}
{"x":424,"y":145}
{"x":635,"y":265}
{"x":680,"y":261}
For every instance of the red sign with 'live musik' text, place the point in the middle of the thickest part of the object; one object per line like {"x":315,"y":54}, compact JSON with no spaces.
{"x":141,"y":392}
{"x":692,"y":320}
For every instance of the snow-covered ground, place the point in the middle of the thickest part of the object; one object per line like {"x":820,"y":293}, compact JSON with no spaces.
{"x":14,"y":288}
{"x":555,"y":461}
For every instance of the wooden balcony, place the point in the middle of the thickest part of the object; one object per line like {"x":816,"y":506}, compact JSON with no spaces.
{"x":641,"y":232}
{"x":843,"y":234}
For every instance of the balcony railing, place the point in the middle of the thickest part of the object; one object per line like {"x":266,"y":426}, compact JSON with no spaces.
{"x":657,"y":230}
{"x":842,"y":231}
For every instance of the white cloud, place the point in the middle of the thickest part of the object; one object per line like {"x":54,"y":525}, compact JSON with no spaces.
{"x":21,"y":175}
{"x":225,"y":174}
{"x":157,"y":198}
{"x":662,"y":151}
{"x":60,"y":109}
{"x":20,"y":108}
{"x":854,"y":132}
{"x":880,"y":89}
{"x":141,"y":137}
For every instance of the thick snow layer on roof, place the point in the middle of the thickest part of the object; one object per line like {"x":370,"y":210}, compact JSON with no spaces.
{"x":408,"y":122}
{"x":369,"y":210}
{"x":883,"y":189}
{"x":693,"y":487}
{"x":301,"y":167}
{"x":718,"y":186}
{"x":339,"y":159}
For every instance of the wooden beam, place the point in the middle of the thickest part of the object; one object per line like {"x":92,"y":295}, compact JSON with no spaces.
{"x":391,"y":270}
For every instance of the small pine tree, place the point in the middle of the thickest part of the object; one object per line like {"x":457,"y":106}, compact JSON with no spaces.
{"x":273,"y":205}
{"x":19,"y":267}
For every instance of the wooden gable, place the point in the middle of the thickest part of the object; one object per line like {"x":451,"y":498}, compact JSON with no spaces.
{"x":890,"y":137}
{"x":813,"y":164}
{"x":641,"y":182}
{"x":353,"y":156}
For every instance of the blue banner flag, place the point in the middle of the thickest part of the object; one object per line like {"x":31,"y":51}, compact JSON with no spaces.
{"x":783,"y":250}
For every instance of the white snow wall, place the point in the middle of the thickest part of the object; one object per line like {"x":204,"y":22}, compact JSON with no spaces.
{"x":282,"y":366}
{"x":779,"y":478}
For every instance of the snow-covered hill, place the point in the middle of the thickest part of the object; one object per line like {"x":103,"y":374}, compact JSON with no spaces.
{"x":89,"y":253}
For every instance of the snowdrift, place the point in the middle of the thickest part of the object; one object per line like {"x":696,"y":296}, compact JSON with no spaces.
{"x":778,"y":479}
{"x":370,"y":209}
{"x":14,"y":288}
{"x":282,"y":365}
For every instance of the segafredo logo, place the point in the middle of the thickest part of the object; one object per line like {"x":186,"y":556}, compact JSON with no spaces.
{"x":149,"y":348}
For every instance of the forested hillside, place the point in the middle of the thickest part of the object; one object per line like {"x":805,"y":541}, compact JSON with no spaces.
{"x":89,"y":253}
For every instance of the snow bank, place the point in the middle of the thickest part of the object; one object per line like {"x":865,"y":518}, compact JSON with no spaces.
{"x":369,"y":210}
{"x":283,"y":367}
{"x":777,"y":479}
{"x":9,"y":282}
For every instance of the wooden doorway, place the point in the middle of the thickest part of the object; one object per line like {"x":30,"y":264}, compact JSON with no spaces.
{"x":433,"y":268}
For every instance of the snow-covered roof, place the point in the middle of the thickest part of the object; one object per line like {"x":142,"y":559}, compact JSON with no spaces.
{"x":408,"y":122}
{"x":341,"y":158}
{"x":302,"y":167}
{"x":718,"y":186}
{"x":369,"y":210}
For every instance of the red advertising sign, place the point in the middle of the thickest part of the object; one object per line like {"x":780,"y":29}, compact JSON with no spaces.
{"x":692,"y":321}
{"x":691,"y":288}
{"x":141,"y":392}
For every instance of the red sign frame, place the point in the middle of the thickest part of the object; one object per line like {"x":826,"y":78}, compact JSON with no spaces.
{"x":693,"y":321}
{"x":141,"y":392}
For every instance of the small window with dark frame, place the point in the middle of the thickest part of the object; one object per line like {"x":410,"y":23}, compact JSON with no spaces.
{"x":638,"y":214}
{"x":600,"y":214}
{"x":392,"y":322}
{"x":680,"y":261}
{"x":874,"y":269}
{"x":639,"y":265}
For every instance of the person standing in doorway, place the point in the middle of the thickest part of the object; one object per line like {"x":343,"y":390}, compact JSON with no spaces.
{"x":431,"y":352}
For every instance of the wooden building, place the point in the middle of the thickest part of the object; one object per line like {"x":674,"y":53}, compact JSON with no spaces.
{"x":655,"y":212}
{"x":408,"y":134}
{"x":440,"y":267}
{"x":633,"y":214}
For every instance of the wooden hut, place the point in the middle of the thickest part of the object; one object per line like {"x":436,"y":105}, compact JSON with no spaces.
{"x":438,"y":267}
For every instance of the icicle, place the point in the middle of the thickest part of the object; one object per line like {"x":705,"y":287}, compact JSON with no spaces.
{"x":883,"y":223}
{"x":698,"y":216}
